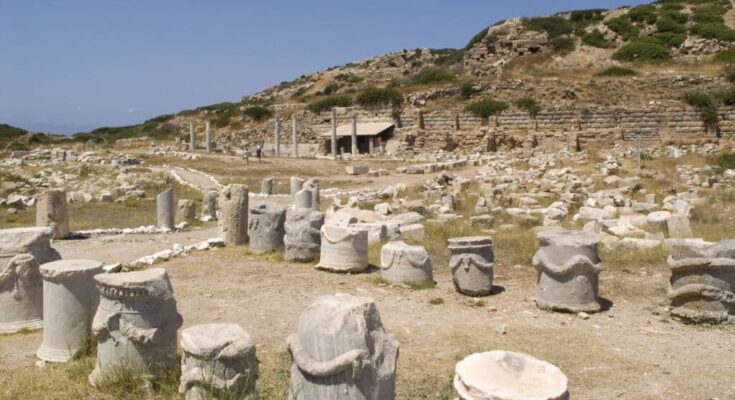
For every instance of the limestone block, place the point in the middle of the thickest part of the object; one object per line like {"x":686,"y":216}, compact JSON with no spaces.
{"x":413,"y":231}
{"x":313,"y":186}
{"x":356,"y":170}
{"x":218,"y":362}
{"x":702,"y":281}
{"x":266,"y":186}
{"x":70,"y":300}
{"x":266,"y":228}
{"x":135,"y":323}
{"x":296,"y":185}
{"x":471,"y":263}
{"x":341,"y":351}
{"x":185,"y":210}
{"x":402,"y":263}
{"x":568,"y":266}
{"x":303,"y":235}
{"x":52,"y":211}
{"x":504,"y":375}
{"x":679,"y":227}
{"x":657,"y":221}
{"x":233,"y":219}
{"x":303,"y":200}
{"x":165,"y":209}
{"x":343,"y":249}
{"x":210,"y":205}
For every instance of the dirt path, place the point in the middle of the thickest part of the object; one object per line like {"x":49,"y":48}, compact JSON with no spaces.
{"x":198,"y":179}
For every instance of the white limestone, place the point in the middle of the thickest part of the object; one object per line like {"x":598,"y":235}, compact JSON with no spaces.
{"x":165,"y":209}
{"x":210,"y":205}
{"x":266,"y":228}
{"x":52,"y":211}
{"x":471,"y":263}
{"x":303,"y":235}
{"x":185,"y":210}
{"x":233,"y":220}
{"x":343,"y":249}
{"x":402,"y":263}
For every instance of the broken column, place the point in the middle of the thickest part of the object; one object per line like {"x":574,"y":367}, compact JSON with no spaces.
{"x":165,"y":209}
{"x":334,"y":134}
{"x":135,"y":323}
{"x":192,"y":137}
{"x":295,"y":137}
{"x":296,"y":185}
{"x":186,"y":210}
{"x":702,"y":286}
{"x":303,"y":236}
{"x":568,"y":266}
{"x":266,"y":186}
{"x":52,"y":211}
{"x":342,"y":351}
{"x":354,"y":135}
{"x":218,"y":362}
{"x":313,"y":186}
{"x":402,"y":263}
{"x":266,"y":228}
{"x":302,"y":200}
{"x":472,"y":265}
{"x":277,"y":144}
{"x":22,"y":250}
{"x":208,"y":137}
{"x":343,"y":249}
{"x":209,"y":205}
{"x":233,"y":220}
{"x":70,"y":299}
{"x":504,"y":375}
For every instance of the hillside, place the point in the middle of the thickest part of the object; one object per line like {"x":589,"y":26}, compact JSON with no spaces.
{"x":14,"y":138}
{"x":667,"y":54}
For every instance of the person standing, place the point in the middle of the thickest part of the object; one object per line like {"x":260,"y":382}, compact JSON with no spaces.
{"x":246,"y":154}
{"x":259,"y":152}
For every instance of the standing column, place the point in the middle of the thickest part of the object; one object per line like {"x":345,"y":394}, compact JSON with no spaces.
{"x":370,"y":145}
{"x":208,"y":137}
{"x":294,"y":133}
{"x":278,"y":138}
{"x":354,"y":135}
{"x":192,"y":137}
{"x":334,"y":134}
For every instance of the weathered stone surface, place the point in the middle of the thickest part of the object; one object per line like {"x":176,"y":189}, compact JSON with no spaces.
{"x":135,"y":323}
{"x":657,"y":221}
{"x":703,"y":281}
{"x":402,"y":263}
{"x":185,"y":210}
{"x":303,"y":235}
{"x":504,"y":375}
{"x":413,"y":231}
{"x":341,"y":351}
{"x":21,"y":284}
{"x":303,"y":200}
{"x":356,"y":170}
{"x":70,"y":300}
{"x":266,"y":228}
{"x":313,"y":186}
{"x":679,"y":227}
{"x":233,"y":219}
{"x":218,"y":362}
{"x":343,"y":249}
{"x":296,"y":185}
{"x":52,"y":211}
{"x":471,"y":263}
{"x":568,"y":266}
{"x":210,"y":205}
{"x":266,"y":186}
{"x":165,"y":209}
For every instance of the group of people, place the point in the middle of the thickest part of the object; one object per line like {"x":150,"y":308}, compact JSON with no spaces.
{"x":258,"y":153}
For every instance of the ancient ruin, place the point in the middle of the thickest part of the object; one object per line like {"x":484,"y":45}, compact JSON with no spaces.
{"x":233,"y":217}
{"x":185,"y":210}
{"x":303,"y":235}
{"x":472,"y":265}
{"x":402,"y":263}
{"x":165,"y":211}
{"x":343,"y":249}
{"x":52,"y":211}
{"x":266,"y":228}
{"x":210,"y":205}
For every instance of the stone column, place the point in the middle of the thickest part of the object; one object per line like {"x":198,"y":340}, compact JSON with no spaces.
{"x":296,"y":185}
{"x":295,"y":137}
{"x":209,"y":205}
{"x":313,"y":186}
{"x":401,"y":263}
{"x":22,"y":250}
{"x":354,"y":135}
{"x":504,"y":375}
{"x":334,"y":134}
{"x":343,"y":249}
{"x":266,"y":186}
{"x":218,"y":362}
{"x":302,"y":200}
{"x":472,"y":265}
{"x":165,"y":209}
{"x":135,"y":323}
{"x":303,"y":238}
{"x":370,"y":145}
{"x":568,"y":266}
{"x":233,"y":221}
{"x":278,"y":138}
{"x":52,"y":211}
{"x":70,"y":300}
{"x":208,"y":137}
{"x":186,"y":210}
{"x":192,"y":137}
{"x":342,"y":351}
{"x":266,"y":228}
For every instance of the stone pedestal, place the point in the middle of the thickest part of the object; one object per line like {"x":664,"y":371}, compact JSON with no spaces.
{"x":341,"y":351}
{"x":266,"y":228}
{"x":703,"y":281}
{"x":209,"y":205}
{"x":313,"y":186}
{"x":504,"y":375}
{"x":402,"y":263}
{"x":21,"y":285}
{"x":302,"y":200}
{"x":165,"y":209}
{"x":70,"y":300}
{"x":266,"y":186}
{"x":218,"y":362}
{"x":568,"y":266}
{"x":296,"y":185}
{"x":303,"y":236}
{"x":186,"y":210}
{"x":343,"y":249}
{"x":472,"y":265}
{"x":233,"y":221}
{"x":135,"y":324}
{"x":52,"y":211}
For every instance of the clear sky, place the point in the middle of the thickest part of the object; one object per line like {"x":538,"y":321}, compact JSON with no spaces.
{"x":73,"y":65}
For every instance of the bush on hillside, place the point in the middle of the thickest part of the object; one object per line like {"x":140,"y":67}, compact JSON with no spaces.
{"x":706,"y":107}
{"x":554,"y":26}
{"x":432,"y":76}
{"x":329,"y":103}
{"x":563,"y":44}
{"x":376,"y":97}
{"x":596,"y":39}
{"x":669,"y":25}
{"x":331,"y":88}
{"x":725,"y":161}
{"x":529,"y":104}
{"x":8,"y":132}
{"x":730,"y":74}
{"x":477,"y":38}
{"x":726,"y":56}
{"x":617,"y":71}
{"x":709,"y":13}
{"x":467,"y":90}
{"x":643,"y":14}
{"x":257,"y":113}
{"x":623,"y":27}
{"x":447,"y":57}
{"x":487,"y":108}
{"x":644,"y":51}
{"x":698,"y":100}
{"x":728,"y":97}
{"x":671,"y":40}
{"x":714,"y":30}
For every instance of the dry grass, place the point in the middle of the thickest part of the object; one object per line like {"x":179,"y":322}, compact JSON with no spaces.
{"x":437,"y":235}
{"x":515,"y":246}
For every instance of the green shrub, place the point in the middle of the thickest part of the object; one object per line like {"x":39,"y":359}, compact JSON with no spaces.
{"x":595,"y":39}
{"x":645,"y":51}
{"x":698,"y":100}
{"x":623,"y":27}
{"x":726,"y":161}
{"x":730,"y":75}
{"x":380,"y":97}
{"x":706,"y":107}
{"x":674,"y":15}
{"x":529,"y":104}
{"x":644,"y":14}
{"x":669,"y":25}
{"x":467,"y":90}
{"x":714,"y":30}
{"x":329,"y":103}
{"x":726,"y":56}
{"x":554,"y":26}
{"x":617,"y":71}
{"x":8,"y":132}
{"x":331,"y":88}
{"x":709,"y":13}
{"x":432,"y":76}
{"x":669,"y":39}
{"x":257,"y":113}
{"x":487,"y":107}
{"x":448,"y":56}
{"x":563,"y":44}
{"x":476,"y":39}
{"x":585,"y":17}
{"x":728,"y":96}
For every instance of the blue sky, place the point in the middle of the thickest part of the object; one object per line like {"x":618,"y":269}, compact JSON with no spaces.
{"x":73,"y":65}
